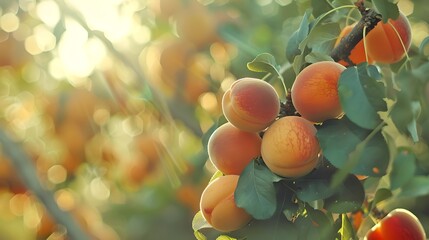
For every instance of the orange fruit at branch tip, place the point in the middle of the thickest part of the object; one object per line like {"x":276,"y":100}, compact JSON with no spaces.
{"x":357,"y":54}
{"x":290,"y":147}
{"x":218,"y":206}
{"x":315,"y":91}
{"x":386,"y":43}
{"x":399,"y":224}
{"x":251,"y":104}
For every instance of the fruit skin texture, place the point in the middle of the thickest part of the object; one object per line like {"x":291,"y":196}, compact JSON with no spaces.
{"x":357,"y":55}
{"x":384,"y":45}
{"x":290,"y":147}
{"x":399,"y":224}
{"x":218,"y":206}
{"x":315,"y":93}
{"x":231,"y":149}
{"x":251,"y":104}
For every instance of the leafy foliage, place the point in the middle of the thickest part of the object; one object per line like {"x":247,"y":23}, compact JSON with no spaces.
{"x":255,"y":191}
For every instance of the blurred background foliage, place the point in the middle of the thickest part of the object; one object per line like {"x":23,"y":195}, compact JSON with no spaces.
{"x":111,"y":98}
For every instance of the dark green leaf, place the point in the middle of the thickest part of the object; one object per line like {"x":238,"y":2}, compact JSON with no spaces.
{"x":348,"y":198}
{"x":292,"y":48}
{"x":255,"y":191}
{"x":344,"y":144}
{"x":386,"y":9}
{"x":277,"y":227}
{"x":361,"y":95}
{"x":417,"y":186}
{"x":323,"y":228}
{"x":315,"y":185}
{"x":403,"y":168}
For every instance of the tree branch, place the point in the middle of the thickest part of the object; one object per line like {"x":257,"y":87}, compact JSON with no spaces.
{"x":369,"y":20}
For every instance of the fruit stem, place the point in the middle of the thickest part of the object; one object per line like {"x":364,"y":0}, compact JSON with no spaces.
{"x":369,"y":20}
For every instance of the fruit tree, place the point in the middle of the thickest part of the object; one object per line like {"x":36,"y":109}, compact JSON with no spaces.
{"x":343,"y":121}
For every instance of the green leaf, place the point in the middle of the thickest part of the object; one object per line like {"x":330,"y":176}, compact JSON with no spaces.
{"x":264,"y":62}
{"x":199,"y":236}
{"x":225,"y":237}
{"x":256,"y":192}
{"x":417,"y":186}
{"x":348,"y":148}
{"x":323,"y":226}
{"x":348,"y":198}
{"x":386,"y":9}
{"x":423,"y":48}
{"x":323,"y":37}
{"x":403,"y":168}
{"x":314,"y":57}
{"x":381,"y":195}
{"x":404,"y":114}
{"x":361,"y":95}
{"x":346,"y":231}
{"x":277,"y":227}
{"x":292,"y":48}
{"x":320,"y":7}
{"x":315,"y":186}
{"x":216,"y":175}
{"x":199,"y":222}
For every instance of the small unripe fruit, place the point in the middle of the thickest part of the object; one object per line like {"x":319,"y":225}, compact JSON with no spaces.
{"x":290,"y":147}
{"x":384,"y":41}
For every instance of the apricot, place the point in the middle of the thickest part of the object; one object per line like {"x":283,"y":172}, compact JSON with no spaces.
{"x":251,"y":104}
{"x":218,"y":206}
{"x":386,"y":43}
{"x":315,"y":93}
{"x":383,"y":43}
{"x":357,"y":55}
{"x":197,"y":25}
{"x":231,"y":149}
{"x":290,"y":147}
{"x":399,"y":224}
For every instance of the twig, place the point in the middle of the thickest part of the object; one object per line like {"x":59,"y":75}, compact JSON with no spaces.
{"x":369,"y":20}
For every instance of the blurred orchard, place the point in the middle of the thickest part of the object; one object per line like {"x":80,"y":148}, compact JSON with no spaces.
{"x":105,"y":106}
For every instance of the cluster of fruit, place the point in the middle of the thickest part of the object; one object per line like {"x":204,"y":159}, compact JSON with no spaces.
{"x":288,"y":145}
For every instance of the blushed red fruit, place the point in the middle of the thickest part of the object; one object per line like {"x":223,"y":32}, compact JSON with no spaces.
{"x":218,"y":206}
{"x":399,"y":224}
{"x":315,"y":93}
{"x":251,"y":104}
{"x":231,"y":149}
{"x":290,"y":147}
{"x":383,"y":43}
